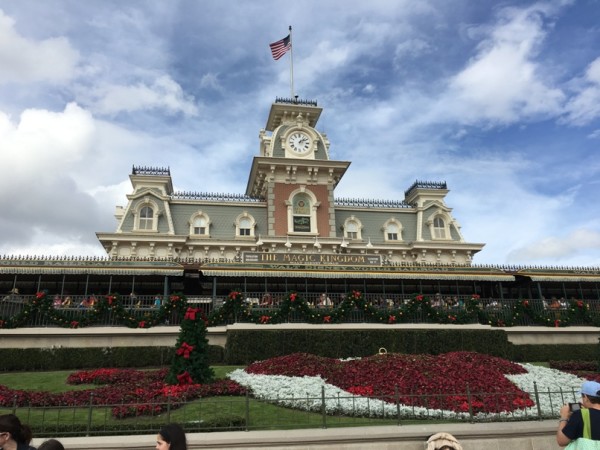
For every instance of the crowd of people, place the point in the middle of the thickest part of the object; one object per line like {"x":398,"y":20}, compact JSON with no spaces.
{"x":15,"y":435}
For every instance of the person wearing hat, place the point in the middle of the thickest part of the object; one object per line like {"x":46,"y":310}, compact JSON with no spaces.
{"x":573,"y":418}
{"x":443,"y":441}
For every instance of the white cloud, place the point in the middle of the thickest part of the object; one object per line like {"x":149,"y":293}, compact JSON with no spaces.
{"x":585,"y":105}
{"x":556,"y":247}
{"x":163,"y":94}
{"x":503,"y":83}
{"x":25,"y":61}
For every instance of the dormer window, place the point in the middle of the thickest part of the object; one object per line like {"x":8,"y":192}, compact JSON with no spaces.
{"x":352,"y":228}
{"x":245,"y":225}
{"x":200,"y":225}
{"x":439,"y":228}
{"x":146,"y":218}
{"x":392,"y":230}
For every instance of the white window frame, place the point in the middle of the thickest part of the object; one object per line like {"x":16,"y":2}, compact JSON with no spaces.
{"x":386,"y":230}
{"x":439,"y":233}
{"x":193,"y":219}
{"x":238,"y":226}
{"x":153,"y":221}
{"x":353,"y":235}
{"x":312,"y":213}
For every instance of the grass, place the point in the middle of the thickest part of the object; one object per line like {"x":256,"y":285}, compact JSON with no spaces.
{"x":255,"y":414}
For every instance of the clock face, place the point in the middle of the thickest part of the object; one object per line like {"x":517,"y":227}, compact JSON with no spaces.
{"x":299,"y":142}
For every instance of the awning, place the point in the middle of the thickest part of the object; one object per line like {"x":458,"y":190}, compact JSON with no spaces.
{"x":390,"y":275}
{"x":84,"y":267}
{"x":566,"y":278}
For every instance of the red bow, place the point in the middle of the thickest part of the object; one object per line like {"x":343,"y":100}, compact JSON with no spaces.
{"x":392,"y":319}
{"x":185,"y":350}
{"x":40,"y":295}
{"x":293,"y":297}
{"x":185,"y":378}
{"x":264,"y":319}
{"x":327,"y":319}
{"x":557,"y":323}
{"x":142,"y":324}
{"x":110,"y":298}
{"x":74,"y":324}
{"x":190,"y":314}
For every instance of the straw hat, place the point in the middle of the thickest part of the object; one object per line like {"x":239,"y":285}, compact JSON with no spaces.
{"x":443,"y":440}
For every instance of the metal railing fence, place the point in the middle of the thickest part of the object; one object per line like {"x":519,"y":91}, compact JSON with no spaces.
{"x":247,"y":413}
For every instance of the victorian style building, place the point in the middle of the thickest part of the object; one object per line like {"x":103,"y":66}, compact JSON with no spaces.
{"x":289,"y":213}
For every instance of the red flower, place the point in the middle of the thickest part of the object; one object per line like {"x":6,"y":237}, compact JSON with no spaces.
{"x":327,"y":319}
{"x":74,"y":324}
{"x":185,"y":378}
{"x":185,"y":349}
{"x":190,"y":314}
{"x":392,"y":319}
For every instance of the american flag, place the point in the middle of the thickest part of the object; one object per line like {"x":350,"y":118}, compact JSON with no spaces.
{"x":280,"y":48}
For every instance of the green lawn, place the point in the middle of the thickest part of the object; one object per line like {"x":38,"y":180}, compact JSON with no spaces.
{"x":202,"y":412}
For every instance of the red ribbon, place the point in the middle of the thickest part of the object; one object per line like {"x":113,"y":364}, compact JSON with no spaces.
{"x":184,"y":350}
{"x":185,"y":378}
{"x":190,"y":314}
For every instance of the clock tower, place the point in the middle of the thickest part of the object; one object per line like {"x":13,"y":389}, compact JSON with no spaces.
{"x":294,"y":174}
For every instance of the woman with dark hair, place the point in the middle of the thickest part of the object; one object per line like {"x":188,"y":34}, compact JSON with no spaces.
{"x":51,"y":444}
{"x":171,"y":437}
{"x":13,"y":434}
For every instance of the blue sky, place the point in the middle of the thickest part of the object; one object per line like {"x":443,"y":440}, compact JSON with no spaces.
{"x":499,"y":99}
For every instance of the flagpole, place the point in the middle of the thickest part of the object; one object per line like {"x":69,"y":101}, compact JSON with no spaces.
{"x":291,"y":64}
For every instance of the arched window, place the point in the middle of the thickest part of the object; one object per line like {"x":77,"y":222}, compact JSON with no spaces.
{"x":392,"y":231}
{"x":439,"y":228}
{"x":352,"y":228}
{"x":245,"y":225}
{"x":301,"y":212}
{"x":146,"y":218}
{"x":200,"y":225}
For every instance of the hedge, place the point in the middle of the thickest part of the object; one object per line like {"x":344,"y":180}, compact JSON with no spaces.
{"x":246,"y":346}
{"x":63,"y":358}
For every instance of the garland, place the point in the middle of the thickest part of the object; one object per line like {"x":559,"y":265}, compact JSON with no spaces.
{"x":417,"y":309}
{"x":107,"y":309}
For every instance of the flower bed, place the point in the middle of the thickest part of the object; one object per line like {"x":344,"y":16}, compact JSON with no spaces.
{"x":455,"y":385}
{"x":136,"y":392}
{"x":452,"y":385}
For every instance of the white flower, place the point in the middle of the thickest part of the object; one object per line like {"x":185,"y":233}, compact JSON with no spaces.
{"x":554,"y":388}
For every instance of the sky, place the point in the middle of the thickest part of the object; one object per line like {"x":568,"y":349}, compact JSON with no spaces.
{"x":499,"y":99}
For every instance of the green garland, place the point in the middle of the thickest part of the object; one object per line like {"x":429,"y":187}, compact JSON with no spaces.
{"x":417,"y":309}
{"x":40,"y":309}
